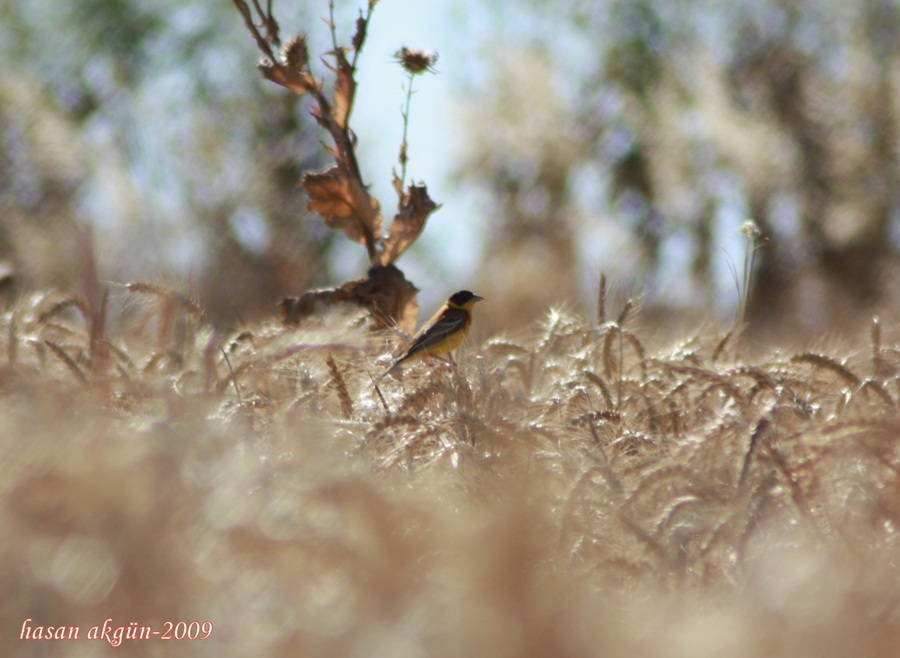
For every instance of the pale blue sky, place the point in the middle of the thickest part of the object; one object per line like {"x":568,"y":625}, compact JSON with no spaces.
{"x":446,"y":257}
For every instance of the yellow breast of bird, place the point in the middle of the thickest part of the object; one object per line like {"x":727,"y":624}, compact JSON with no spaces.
{"x":451,"y":343}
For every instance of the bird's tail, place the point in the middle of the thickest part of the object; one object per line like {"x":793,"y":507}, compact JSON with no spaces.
{"x":387,"y":372}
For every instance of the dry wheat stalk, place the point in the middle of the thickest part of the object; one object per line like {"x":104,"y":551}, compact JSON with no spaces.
{"x":340,"y":387}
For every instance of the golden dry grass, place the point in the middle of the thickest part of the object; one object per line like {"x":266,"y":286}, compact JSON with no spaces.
{"x":582,"y":493}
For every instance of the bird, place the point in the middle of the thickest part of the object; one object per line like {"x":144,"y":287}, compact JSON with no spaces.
{"x":443,"y":333}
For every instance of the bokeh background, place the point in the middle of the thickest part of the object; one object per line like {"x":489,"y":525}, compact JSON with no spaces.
{"x":564,"y":139}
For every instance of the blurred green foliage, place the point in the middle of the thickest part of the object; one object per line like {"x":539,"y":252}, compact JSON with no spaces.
{"x":150,"y":123}
{"x":653,"y":129}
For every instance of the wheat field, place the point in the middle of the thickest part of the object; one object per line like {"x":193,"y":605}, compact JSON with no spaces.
{"x":582,"y":492}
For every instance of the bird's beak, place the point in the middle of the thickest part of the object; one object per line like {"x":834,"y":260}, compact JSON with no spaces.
{"x":476,"y":298}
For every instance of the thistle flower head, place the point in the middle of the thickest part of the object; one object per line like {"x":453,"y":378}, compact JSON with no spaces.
{"x":416,"y":60}
{"x":751,"y":229}
{"x":296,"y":54}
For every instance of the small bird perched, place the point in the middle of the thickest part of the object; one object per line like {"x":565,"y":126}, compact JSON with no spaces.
{"x":443,"y":332}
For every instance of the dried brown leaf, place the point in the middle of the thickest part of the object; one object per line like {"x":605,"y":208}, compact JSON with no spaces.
{"x":390,"y":297}
{"x":408,"y":223}
{"x":300,"y":82}
{"x":344,"y":90}
{"x":344,"y":204}
{"x":296,"y":309}
{"x":384,"y":291}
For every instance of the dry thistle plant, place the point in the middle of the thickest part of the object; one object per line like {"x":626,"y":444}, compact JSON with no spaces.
{"x":414,"y":62}
{"x":339,"y":195}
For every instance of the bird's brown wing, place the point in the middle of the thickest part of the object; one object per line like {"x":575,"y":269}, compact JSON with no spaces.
{"x":448,"y":322}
